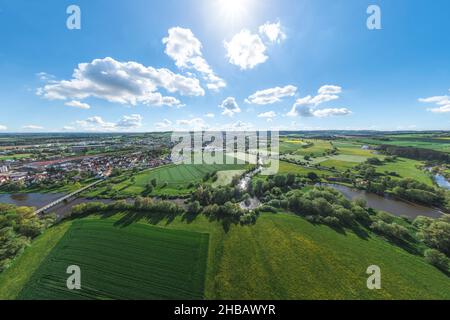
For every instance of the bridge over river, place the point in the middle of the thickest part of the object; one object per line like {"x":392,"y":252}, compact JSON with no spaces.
{"x":67,"y":197}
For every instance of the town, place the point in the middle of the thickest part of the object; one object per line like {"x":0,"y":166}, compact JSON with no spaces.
{"x":51,"y":164}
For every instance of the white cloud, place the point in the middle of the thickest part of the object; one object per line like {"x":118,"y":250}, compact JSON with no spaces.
{"x":69,"y":128}
{"x":237,"y":126}
{"x":97,"y":123}
{"x":246,"y":50}
{"x":164,"y":125}
{"x":185,"y":49}
{"x":271,"y":95}
{"x":32,"y":127}
{"x":273,"y":32}
{"x":210,"y":115}
{"x":307,"y":106}
{"x":77,"y":104}
{"x":442,"y":102}
{"x":131,"y":121}
{"x":269,"y":114}
{"x":44,"y":76}
{"x":329,"y":112}
{"x":230,"y":107}
{"x":329,"y":89}
{"x":193,"y":124}
{"x":122,"y":82}
{"x":2,"y":127}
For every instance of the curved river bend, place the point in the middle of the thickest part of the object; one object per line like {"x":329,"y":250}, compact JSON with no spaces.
{"x":393,"y":206}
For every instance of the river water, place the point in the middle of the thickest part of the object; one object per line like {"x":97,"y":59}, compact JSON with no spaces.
{"x":393,"y":206}
{"x":36,"y":200}
{"x":441,"y":181}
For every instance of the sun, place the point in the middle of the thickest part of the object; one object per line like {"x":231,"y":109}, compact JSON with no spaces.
{"x":234,"y":10}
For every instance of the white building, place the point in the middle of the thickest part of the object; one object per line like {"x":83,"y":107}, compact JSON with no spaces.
{"x":3,"y":169}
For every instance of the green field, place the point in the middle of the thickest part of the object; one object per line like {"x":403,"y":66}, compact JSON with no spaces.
{"x":14,"y":279}
{"x":312,"y":147}
{"x":18,"y":156}
{"x":224,"y":178}
{"x":338,"y":164}
{"x":286,"y":167}
{"x":282,"y":256}
{"x":416,"y":141}
{"x":136,"y":262}
{"x":407,"y":168}
{"x":171,"y":180}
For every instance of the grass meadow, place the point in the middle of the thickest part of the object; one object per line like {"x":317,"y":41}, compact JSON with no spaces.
{"x":136,"y":262}
{"x":282,"y":256}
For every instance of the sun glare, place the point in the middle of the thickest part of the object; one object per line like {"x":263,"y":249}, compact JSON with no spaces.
{"x":234,"y":10}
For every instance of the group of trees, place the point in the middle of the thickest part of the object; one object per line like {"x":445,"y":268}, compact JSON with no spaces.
{"x":389,"y":184}
{"x":18,"y":226}
{"x":435,"y":233}
{"x":415,"y":153}
{"x":140,"y":204}
{"x":325,"y":205}
{"x":274,"y":184}
{"x":330,"y":207}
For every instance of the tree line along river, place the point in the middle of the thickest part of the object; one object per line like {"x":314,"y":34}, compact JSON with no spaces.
{"x":393,"y":206}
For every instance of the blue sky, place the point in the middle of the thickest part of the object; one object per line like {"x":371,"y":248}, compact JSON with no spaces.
{"x":294,"y":65}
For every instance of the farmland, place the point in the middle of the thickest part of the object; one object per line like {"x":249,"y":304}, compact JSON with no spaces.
{"x":310,"y":262}
{"x":225,"y":177}
{"x":436,"y":142}
{"x":16,"y":156}
{"x":136,"y":262}
{"x":170,"y":180}
{"x":407,"y":168}
{"x":213,"y":247}
{"x":313,"y":147}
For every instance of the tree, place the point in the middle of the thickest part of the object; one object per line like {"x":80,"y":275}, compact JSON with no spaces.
{"x":194,"y":207}
{"x":437,"y":259}
{"x":437,"y":236}
{"x":313,"y":176}
{"x":374,"y":161}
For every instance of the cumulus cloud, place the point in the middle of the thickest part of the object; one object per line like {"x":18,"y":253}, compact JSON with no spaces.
{"x":329,"y":89}
{"x":308,"y":106}
{"x":273,"y":32}
{"x":77,"y":104}
{"x":210,"y":115}
{"x":193,"y":124}
{"x":230,"y":107}
{"x":271,"y":95}
{"x":32,"y":127}
{"x":131,"y":121}
{"x":246,"y":50}
{"x":44,"y":76}
{"x":269,"y":114}
{"x":237,"y":126}
{"x":97,"y":123}
{"x":164,"y":125}
{"x":442,"y":103}
{"x":186,"y":50}
{"x":2,"y":127}
{"x":122,"y":82}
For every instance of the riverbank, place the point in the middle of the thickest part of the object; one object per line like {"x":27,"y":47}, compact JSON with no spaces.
{"x":388,"y":204}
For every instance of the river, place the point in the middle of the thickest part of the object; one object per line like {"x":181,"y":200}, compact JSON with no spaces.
{"x":441,"y":181}
{"x":393,"y":206}
{"x":36,"y":200}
